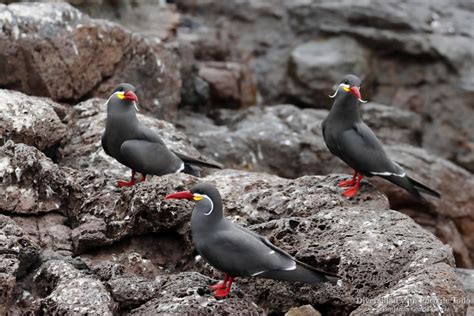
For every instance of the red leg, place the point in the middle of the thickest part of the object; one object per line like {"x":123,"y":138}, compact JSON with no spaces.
{"x":130,"y":183}
{"x":220,"y":285}
{"x":222,"y":293}
{"x":352,"y":191}
{"x":349,"y":183}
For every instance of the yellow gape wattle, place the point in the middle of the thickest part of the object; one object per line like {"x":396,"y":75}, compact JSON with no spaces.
{"x":346,"y":88}
{"x":121,"y":95}
{"x":197,"y":197}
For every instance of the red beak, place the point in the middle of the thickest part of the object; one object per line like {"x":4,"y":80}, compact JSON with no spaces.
{"x":129,"y":95}
{"x":355,"y":91}
{"x":180,"y":195}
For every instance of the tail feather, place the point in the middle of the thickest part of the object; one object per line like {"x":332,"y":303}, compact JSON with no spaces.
{"x":423,"y":188}
{"x":300,"y":274}
{"x":412,"y":186}
{"x":198,"y":162}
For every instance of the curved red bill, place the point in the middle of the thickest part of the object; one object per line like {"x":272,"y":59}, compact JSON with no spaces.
{"x":129,"y":95}
{"x":355,"y":91}
{"x":180,"y":195}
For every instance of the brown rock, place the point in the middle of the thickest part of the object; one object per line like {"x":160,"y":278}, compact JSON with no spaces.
{"x":305,"y":310}
{"x":54,"y":50}
{"x":231,"y":83}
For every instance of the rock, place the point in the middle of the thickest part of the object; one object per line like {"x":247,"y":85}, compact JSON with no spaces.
{"x":54,"y":50}
{"x":50,"y":231}
{"x":413,"y":55}
{"x":186,"y":293}
{"x":132,"y":292}
{"x":231,"y":84}
{"x":393,"y":125}
{"x":143,"y":16}
{"x":375,"y":250}
{"x":30,"y":120}
{"x":18,"y":253}
{"x":72,"y":291}
{"x":314,"y":67}
{"x":286,"y":140}
{"x":305,"y":310}
{"x":31,"y":183}
{"x":427,"y":299}
{"x":292,"y":138}
{"x":467,"y":278}
{"x":453,"y":214}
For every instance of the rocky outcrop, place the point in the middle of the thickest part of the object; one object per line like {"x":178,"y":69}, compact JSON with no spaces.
{"x":287,"y":141}
{"x":411,"y":55}
{"x":54,"y":50}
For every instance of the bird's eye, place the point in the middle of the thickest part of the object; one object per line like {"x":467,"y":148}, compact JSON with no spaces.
{"x":345,"y":82}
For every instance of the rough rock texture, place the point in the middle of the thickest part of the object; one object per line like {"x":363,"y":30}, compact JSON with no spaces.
{"x":71,"y":291}
{"x":73,"y":243}
{"x":29,"y":120}
{"x":18,"y":253}
{"x":414,"y":55}
{"x":31,"y":183}
{"x":54,"y":50}
{"x":287,"y":141}
{"x":186,"y":294}
{"x":451,"y":218}
{"x":314,"y":67}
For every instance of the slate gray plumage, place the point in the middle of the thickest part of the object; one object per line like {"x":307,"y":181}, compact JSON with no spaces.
{"x":350,"y":139}
{"x":136,"y":146}
{"x":237,"y":251}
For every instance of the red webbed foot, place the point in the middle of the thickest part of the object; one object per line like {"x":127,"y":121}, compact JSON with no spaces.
{"x":351,"y":192}
{"x":222,"y":293}
{"x":122,"y":183}
{"x":346,"y":183}
{"x":218,"y":286}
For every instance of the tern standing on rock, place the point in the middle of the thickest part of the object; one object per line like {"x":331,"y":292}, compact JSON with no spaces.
{"x":136,"y":146}
{"x":237,"y":251}
{"x":350,"y":139}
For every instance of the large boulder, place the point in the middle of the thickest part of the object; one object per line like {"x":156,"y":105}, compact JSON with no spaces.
{"x":315,"y":67}
{"x":52,"y":49}
{"x":377,"y":252}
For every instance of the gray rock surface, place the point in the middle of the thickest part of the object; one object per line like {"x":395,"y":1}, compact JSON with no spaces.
{"x":18,"y":253}
{"x":31,"y":183}
{"x":414,"y":55}
{"x":29,"y":120}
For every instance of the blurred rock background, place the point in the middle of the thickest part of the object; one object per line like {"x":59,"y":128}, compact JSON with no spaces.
{"x":246,"y":83}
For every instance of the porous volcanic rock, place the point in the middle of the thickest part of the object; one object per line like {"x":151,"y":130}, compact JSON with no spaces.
{"x":30,"y":120}
{"x":18,"y":253}
{"x":31,"y":183}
